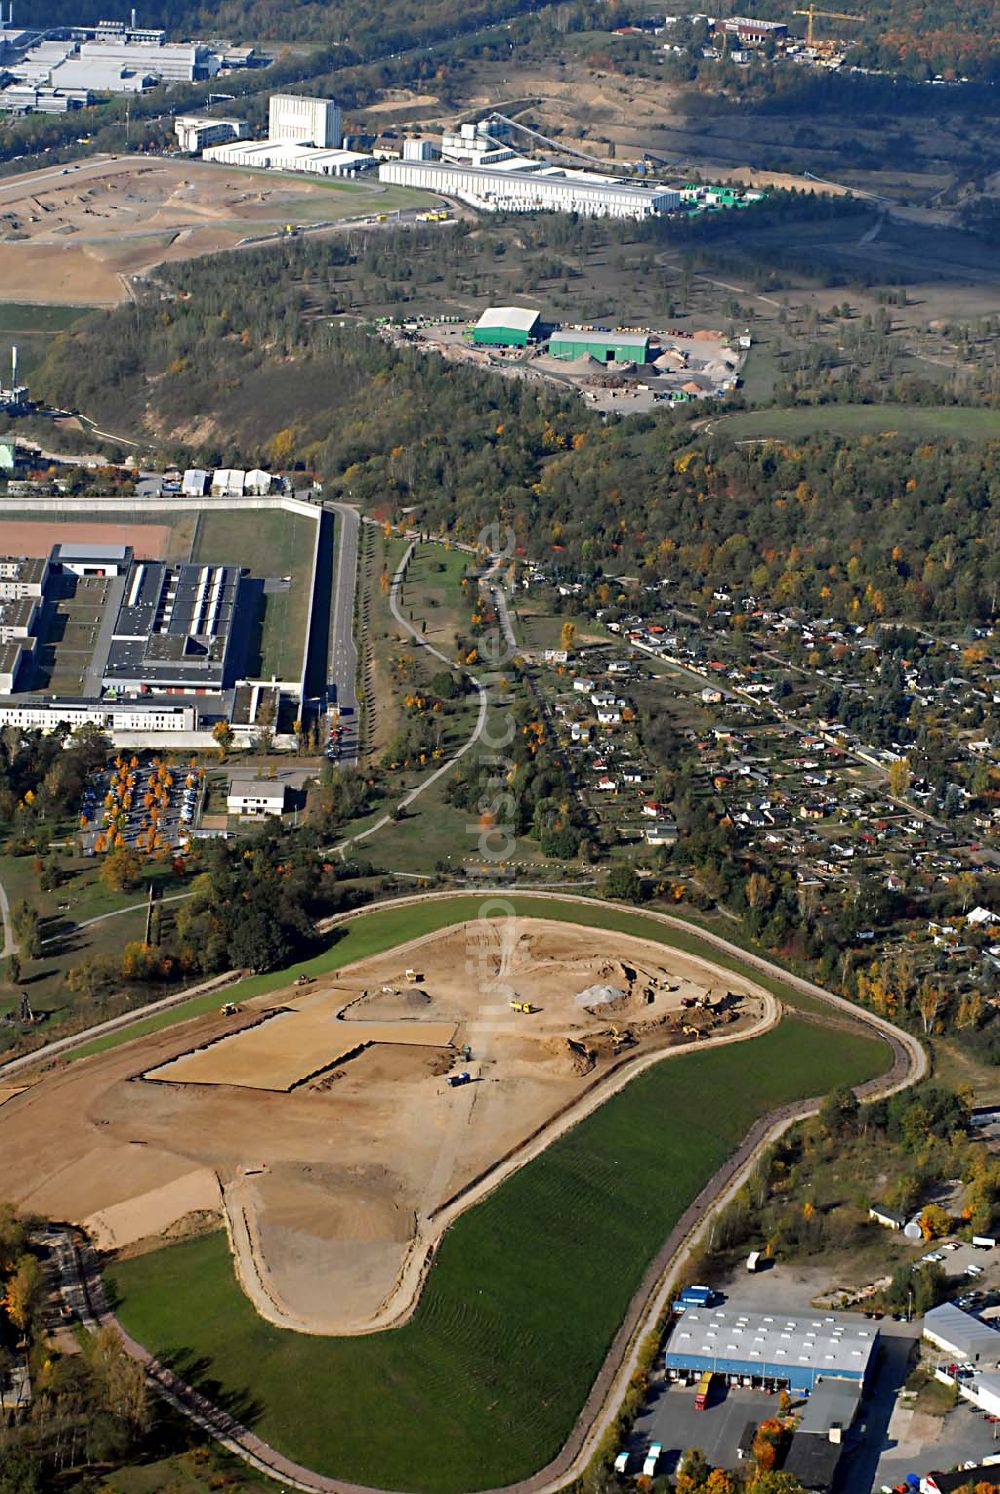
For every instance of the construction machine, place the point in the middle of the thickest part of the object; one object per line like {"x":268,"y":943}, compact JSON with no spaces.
{"x":522,"y":1006}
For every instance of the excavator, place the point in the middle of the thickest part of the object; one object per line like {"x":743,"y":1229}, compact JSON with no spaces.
{"x":522,"y":1006}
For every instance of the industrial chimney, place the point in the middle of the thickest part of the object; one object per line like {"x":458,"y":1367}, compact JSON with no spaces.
{"x":13,"y":367}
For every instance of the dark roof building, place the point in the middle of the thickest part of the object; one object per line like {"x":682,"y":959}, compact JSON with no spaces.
{"x":174,"y":630}
{"x":958,"y":1478}
{"x":814,"y":1462}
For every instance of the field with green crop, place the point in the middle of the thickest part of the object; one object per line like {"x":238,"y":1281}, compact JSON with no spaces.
{"x":861,"y":420}
{"x":483,"y":1385}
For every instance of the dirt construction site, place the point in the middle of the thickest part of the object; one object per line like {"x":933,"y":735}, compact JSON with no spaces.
{"x":338,"y":1126}
{"x":69,"y":234}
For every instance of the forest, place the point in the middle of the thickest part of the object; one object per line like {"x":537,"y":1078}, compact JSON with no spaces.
{"x":883,"y":525}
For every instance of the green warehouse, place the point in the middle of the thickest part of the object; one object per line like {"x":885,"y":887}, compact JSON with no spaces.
{"x":606,"y":347}
{"x":506,"y":327}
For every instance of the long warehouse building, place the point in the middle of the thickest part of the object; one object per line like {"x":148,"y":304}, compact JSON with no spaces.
{"x":771,"y":1348}
{"x":533,"y":191}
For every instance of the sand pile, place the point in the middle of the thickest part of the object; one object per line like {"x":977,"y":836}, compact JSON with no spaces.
{"x":409,"y":1001}
{"x":593,"y":997}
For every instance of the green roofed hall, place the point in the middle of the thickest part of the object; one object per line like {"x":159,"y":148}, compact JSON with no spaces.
{"x":605,"y":346}
{"x":506,"y":327}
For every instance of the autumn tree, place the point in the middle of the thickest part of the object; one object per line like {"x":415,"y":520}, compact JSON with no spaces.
{"x":25,"y":1289}
{"x":223,"y":737}
{"x":121,"y":869}
{"x":935,"y":1222}
{"x":899,"y":778}
{"x":567,"y":635}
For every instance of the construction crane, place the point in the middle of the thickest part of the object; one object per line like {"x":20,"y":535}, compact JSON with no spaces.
{"x":831,"y":15}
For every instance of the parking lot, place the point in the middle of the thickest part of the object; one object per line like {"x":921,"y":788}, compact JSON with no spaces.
{"x":670,"y":1419}
{"x":919,"y":1443}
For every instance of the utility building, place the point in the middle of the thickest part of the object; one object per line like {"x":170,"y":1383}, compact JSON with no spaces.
{"x":303,"y":121}
{"x":195,"y":131}
{"x":771,"y":1348}
{"x":506,"y":327}
{"x":606,"y":347}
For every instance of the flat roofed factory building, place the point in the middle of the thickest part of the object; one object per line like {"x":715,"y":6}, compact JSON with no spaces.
{"x":542,"y":190}
{"x":174,"y":629}
{"x":606,"y":347}
{"x":506,"y":327}
{"x":771,"y":1347}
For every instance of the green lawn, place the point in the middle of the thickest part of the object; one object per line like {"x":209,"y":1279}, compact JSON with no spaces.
{"x":859,"y":420}
{"x":385,"y":928}
{"x":32,"y":328}
{"x":270,"y":544}
{"x":483,"y":1384}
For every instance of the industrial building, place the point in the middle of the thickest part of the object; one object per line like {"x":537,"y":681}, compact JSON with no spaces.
{"x":605,"y":346}
{"x":541,"y":189}
{"x":284,"y":155}
{"x":114,"y":65}
{"x":506,"y":327}
{"x":92,"y":560}
{"x":22,"y":576}
{"x":963,"y":1336}
{"x":299,"y":120}
{"x":195,"y":131}
{"x":771,"y":1348}
{"x":167,"y":656}
{"x":174,"y":630}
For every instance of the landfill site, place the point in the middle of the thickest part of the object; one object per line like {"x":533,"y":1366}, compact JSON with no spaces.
{"x":337,"y":1126}
{"x":68,"y":235}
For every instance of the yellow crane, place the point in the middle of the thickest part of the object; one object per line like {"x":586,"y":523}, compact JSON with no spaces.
{"x":832,"y":15}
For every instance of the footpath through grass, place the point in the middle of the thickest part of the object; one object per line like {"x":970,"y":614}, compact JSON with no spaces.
{"x":483,"y":1385}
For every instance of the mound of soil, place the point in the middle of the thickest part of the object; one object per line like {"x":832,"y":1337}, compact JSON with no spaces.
{"x":571,"y":1057}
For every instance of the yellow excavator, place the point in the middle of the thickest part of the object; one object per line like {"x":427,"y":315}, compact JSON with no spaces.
{"x":522,"y":1006}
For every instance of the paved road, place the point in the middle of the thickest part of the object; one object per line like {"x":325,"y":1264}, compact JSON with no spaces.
{"x":342,"y":669}
{"x":9,"y":942}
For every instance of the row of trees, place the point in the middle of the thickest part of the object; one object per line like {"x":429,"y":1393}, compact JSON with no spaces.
{"x":86,"y":1409}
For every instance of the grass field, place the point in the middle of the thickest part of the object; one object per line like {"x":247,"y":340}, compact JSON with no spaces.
{"x":32,"y":329}
{"x":385,"y":928}
{"x":271,"y":544}
{"x":862,"y":420}
{"x":484,"y":1383}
